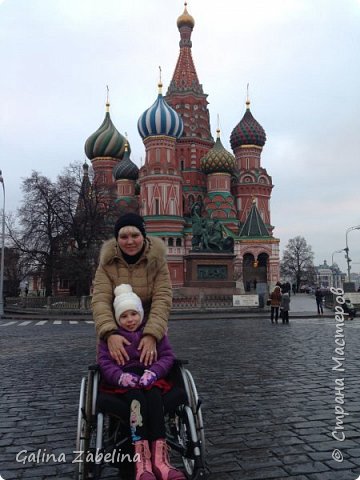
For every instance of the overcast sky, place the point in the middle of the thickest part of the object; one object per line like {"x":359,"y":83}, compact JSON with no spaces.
{"x":300,"y":57}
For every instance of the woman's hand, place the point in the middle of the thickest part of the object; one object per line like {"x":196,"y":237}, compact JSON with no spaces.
{"x":116,"y":345}
{"x":147,"y":346}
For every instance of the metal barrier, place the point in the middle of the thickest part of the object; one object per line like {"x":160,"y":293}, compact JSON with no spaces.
{"x":50,"y":303}
{"x":63,"y":303}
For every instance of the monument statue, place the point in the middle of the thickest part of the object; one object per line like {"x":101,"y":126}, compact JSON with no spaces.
{"x":208,"y":233}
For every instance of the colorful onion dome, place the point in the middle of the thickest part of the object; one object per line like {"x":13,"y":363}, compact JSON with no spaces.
{"x":248,"y":131}
{"x":160,"y":119}
{"x":218,"y":159}
{"x":106,"y":141}
{"x":185,"y":19}
{"x":126,"y":169}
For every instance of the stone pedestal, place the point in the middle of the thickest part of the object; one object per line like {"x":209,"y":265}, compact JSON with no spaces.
{"x":209,"y":270}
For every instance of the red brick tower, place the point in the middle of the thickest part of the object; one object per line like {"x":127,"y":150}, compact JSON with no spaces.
{"x":253,"y":182}
{"x":185,"y":94}
{"x":160,"y":180}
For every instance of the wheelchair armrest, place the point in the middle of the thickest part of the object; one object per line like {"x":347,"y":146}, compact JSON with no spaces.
{"x":94,"y":368}
{"x":179,"y":362}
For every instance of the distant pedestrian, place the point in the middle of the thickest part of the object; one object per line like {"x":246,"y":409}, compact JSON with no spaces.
{"x":286,"y":288}
{"x":285,"y":307}
{"x":349,"y":309}
{"x":275,"y":300}
{"x":294,"y":288}
{"x":319,"y":300}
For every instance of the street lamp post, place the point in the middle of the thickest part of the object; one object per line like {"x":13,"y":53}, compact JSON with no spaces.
{"x":2,"y":250}
{"x":332,"y":264}
{"x":357,"y":227}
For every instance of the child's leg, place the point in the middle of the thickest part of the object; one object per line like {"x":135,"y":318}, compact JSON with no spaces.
{"x":155,"y":420}
{"x":138,"y":413}
{"x":159,"y":449}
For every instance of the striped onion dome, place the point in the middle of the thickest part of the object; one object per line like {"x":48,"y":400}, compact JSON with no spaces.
{"x":126,"y":169}
{"x":160,"y":119}
{"x":248,"y":131}
{"x":185,"y":19}
{"x":218,"y":159}
{"x":106,"y":141}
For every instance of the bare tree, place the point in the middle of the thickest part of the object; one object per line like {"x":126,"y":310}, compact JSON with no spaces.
{"x":298,"y":261}
{"x":87,"y":216}
{"x":60,"y":226}
{"x":39,"y":230}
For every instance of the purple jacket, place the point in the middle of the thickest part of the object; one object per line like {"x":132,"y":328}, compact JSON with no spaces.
{"x":111,"y":371}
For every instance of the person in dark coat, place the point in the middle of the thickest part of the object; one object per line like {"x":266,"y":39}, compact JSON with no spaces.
{"x":285,"y":307}
{"x":319,"y":300}
{"x":141,"y":387}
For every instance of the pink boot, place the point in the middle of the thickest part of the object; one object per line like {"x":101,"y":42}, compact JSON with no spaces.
{"x":143,"y":469}
{"x":161,"y":464}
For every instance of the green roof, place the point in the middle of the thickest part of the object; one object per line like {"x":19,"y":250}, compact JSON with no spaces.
{"x":254,"y":225}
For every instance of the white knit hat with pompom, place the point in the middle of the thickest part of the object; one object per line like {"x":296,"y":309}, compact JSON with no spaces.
{"x":126,"y":299}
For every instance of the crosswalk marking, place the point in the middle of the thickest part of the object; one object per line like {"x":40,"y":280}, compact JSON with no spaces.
{"x":25,"y":323}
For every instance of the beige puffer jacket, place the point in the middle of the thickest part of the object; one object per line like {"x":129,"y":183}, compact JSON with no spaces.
{"x":149,"y":278}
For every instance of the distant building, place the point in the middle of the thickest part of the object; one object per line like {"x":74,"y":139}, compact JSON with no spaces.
{"x":329,"y":276}
{"x":184,"y":167}
{"x":355,"y":277}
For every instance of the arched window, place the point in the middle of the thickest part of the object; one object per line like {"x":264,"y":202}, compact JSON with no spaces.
{"x":171,"y":242}
{"x":178,"y":242}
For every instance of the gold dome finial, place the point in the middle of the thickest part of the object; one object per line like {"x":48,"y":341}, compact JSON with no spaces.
{"x":107,"y":99}
{"x":218,"y":127}
{"x":247,"y":97}
{"x":126,"y":146}
{"x":160,"y":82}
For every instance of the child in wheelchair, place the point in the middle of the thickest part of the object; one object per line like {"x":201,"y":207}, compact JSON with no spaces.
{"x":142,"y":388}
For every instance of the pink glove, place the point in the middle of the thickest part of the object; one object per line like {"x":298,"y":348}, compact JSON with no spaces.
{"x":148,"y":378}
{"x":128,"y":380}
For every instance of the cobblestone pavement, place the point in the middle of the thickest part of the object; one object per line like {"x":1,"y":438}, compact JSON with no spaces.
{"x":268,"y":395}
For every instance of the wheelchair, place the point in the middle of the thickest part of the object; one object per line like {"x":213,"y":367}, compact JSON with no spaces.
{"x":103,"y":437}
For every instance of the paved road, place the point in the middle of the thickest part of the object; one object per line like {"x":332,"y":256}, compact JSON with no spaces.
{"x":268,"y":391}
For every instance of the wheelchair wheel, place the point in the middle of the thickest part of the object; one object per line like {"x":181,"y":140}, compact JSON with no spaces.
{"x":195,"y":404}
{"x":88,"y":432}
{"x":82,"y":436}
{"x":188,"y":439}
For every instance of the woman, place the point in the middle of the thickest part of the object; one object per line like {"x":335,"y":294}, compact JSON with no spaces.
{"x":133,"y":258}
{"x":275,"y":298}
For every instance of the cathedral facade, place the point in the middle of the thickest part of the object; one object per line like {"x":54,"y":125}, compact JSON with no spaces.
{"x":185,"y":167}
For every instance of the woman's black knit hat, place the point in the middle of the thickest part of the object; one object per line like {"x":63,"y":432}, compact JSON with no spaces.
{"x":130,"y":220}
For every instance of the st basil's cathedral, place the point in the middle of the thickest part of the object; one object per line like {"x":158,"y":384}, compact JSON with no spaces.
{"x":184,"y":167}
